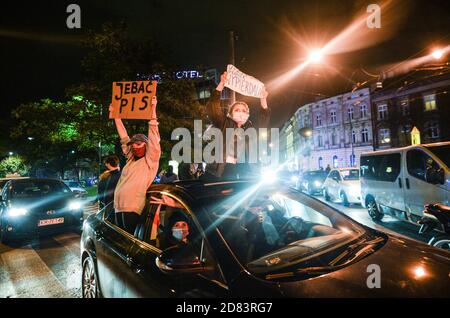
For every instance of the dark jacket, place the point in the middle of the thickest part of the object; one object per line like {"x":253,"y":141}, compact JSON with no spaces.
{"x":110,"y":186}
{"x":222,"y":121}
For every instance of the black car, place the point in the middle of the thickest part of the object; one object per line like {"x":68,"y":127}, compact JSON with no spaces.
{"x":37,"y":206}
{"x":312,"y":181}
{"x":246,"y":239}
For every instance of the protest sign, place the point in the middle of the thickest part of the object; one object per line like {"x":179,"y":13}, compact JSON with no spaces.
{"x":132,"y":100}
{"x":242,"y":83}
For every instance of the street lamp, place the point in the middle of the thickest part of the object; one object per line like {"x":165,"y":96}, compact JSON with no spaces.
{"x":305,"y":132}
{"x":315,"y":56}
{"x":437,"y":54}
{"x":11,"y":153}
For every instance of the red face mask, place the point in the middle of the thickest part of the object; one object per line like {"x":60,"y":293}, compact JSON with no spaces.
{"x":138,"y":152}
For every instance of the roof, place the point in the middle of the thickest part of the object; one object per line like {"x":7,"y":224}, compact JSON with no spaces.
{"x":199,"y":189}
{"x":391,"y":150}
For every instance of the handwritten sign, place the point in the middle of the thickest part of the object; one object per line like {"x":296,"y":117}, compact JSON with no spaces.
{"x":132,"y":100}
{"x":242,"y":83}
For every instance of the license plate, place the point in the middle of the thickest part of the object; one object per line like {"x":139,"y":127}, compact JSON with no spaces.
{"x":51,"y":221}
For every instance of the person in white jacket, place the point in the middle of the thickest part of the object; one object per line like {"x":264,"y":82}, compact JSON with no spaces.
{"x":143,"y":155}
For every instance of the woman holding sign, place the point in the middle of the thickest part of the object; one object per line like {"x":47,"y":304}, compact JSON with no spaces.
{"x":143,"y":155}
{"x":237,"y":117}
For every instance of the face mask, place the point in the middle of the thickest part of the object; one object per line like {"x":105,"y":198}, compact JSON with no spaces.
{"x":178,"y":234}
{"x":239,"y":117}
{"x":138,"y":152}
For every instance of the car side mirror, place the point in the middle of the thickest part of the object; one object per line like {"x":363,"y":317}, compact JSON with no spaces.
{"x":180,"y":259}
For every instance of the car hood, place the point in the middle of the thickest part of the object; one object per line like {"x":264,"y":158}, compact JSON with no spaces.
{"x":43,"y":204}
{"x":407,"y":269}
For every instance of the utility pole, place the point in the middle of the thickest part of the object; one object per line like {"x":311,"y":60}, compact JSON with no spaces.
{"x":232,"y":93}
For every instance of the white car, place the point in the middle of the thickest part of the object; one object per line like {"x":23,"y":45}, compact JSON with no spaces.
{"x":77,"y":188}
{"x":343,"y":184}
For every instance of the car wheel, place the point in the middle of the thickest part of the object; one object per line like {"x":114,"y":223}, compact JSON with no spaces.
{"x":344,"y":199}
{"x":89,"y":283}
{"x":441,"y":241}
{"x":326,"y":195}
{"x":373,"y":210}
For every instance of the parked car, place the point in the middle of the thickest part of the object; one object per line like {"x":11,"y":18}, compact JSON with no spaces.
{"x":312,"y":181}
{"x":343,"y":184}
{"x":245,"y":239}
{"x":401,"y":181}
{"x":37,"y":206}
{"x":77,"y":188}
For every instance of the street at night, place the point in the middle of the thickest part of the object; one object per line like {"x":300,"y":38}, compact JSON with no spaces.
{"x":218,"y":149}
{"x":50,"y":266}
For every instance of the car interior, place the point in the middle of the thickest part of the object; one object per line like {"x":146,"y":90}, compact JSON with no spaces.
{"x":265,"y":226}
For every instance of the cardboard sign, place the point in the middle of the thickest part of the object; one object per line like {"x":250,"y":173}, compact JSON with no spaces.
{"x":242,"y":83}
{"x":133,"y":100}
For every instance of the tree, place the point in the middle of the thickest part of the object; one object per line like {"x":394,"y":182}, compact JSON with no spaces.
{"x":13,"y":165}
{"x":115,"y":56}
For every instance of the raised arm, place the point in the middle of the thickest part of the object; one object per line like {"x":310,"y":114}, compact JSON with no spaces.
{"x":264,"y":113}
{"x":124,"y":138}
{"x":213,"y":108}
{"x":153,"y":152}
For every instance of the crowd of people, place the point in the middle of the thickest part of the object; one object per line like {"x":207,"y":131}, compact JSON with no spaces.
{"x":125,"y":189}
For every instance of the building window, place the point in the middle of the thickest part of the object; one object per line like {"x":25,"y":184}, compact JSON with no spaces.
{"x":365,"y":135}
{"x":385,"y":136}
{"x":382,"y":111}
{"x":430,"y":102}
{"x":320,"y":162}
{"x":333,"y":139}
{"x":432,"y":129}
{"x":204,"y":93}
{"x":353,"y":136}
{"x":333,"y":117}
{"x":350,"y":113}
{"x":335,"y":161}
{"x":319,"y":141}
{"x":352,"y":160}
{"x":363,"y":110}
{"x":404,"y":107}
{"x":318,"y":120}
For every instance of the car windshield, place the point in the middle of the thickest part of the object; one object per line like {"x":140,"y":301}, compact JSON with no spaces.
{"x":32,"y":189}
{"x":352,"y":174}
{"x":442,"y":152}
{"x":73,"y":184}
{"x":315,"y":174}
{"x":273,"y":229}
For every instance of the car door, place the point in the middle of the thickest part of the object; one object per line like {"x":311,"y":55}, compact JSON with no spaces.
{"x":334,"y":183}
{"x":150,"y":281}
{"x":391,"y":185}
{"x":112,"y":247}
{"x":418,"y":191}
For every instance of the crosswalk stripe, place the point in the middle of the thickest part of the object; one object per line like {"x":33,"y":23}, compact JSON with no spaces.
{"x":24,"y":274}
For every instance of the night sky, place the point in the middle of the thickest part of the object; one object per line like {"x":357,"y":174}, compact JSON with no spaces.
{"x":40,"y":56}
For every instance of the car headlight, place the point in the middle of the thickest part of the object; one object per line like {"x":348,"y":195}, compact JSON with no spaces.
{"x":17,"y":212}
{"x":317,"y":183}
{"x":74,"y":205}
{"x":268,"y":176}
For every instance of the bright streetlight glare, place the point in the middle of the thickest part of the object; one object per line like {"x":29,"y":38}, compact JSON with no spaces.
{"x":437,"y":54}
{"x":315,"y":56}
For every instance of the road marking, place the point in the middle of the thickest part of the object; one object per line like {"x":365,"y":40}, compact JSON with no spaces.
{"x":24,"y":274}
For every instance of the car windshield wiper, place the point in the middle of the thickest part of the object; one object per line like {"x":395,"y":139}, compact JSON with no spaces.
{"x":356,"y":250}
